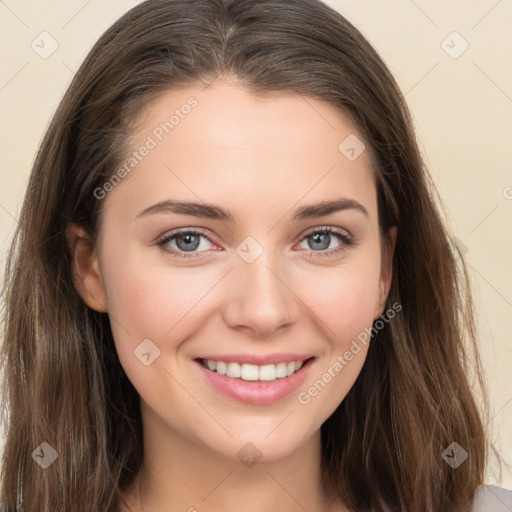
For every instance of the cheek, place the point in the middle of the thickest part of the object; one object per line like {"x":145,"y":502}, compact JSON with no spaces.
{"x":152,"y":302}
{"x":344,"y":299}
{"x":156,"y":304}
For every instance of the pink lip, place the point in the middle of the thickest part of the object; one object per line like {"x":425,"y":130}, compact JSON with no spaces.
{"x":256,"y":392}
{"x":260,"y":360}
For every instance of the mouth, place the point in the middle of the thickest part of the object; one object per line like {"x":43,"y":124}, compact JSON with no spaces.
{"x":253,"y":372}
{"x":255,"y":384}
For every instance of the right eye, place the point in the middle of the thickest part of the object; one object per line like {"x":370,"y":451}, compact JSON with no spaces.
{"x":186,"y":241}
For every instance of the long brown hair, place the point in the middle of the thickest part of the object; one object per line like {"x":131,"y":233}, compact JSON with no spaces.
{"x":63,"y":382}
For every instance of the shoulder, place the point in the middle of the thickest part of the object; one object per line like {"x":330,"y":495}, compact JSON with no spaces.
{"x":491,"y":498}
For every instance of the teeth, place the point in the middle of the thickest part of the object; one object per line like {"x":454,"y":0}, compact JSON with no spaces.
{"x":245,"y":371}
{"x":268,"y":372}
{"x":233,"y":370}
{"x":281,"y":370}
{"x":248,"y":371}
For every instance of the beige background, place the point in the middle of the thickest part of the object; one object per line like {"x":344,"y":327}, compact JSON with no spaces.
{"x":462,"y":108}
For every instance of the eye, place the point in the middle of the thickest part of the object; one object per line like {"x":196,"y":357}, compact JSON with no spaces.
{"x":187,"y":242}
{"x":321,"y":238}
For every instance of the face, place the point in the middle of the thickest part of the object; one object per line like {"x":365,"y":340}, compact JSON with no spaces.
{"x":253,"y":277}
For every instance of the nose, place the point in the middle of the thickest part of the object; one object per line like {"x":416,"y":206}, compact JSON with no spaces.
{"x":258,"y":297}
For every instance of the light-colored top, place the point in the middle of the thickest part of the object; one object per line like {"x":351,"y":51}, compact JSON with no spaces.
{"x":491,"y":498}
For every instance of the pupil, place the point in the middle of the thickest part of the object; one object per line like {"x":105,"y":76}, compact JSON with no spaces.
{"x":324,"y":237}
{"x":189,"y":242}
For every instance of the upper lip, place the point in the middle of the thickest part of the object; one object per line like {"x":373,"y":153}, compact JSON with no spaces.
{"x":259,"y":359}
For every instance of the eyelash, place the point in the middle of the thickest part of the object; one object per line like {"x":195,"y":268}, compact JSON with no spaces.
{"x":346,"y":242}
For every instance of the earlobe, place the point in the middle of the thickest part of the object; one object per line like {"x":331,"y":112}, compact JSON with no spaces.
{"x":386,"y":271}
{"x":85,"y":268}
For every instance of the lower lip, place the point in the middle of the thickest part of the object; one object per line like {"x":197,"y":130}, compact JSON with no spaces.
{"x":256,"y":392}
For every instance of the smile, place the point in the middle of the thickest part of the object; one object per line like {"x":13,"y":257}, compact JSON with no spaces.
{"x":253,"y":372}
{"x":256,"y":384}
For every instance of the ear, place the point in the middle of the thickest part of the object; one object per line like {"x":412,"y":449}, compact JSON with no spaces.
{"x":85,"y":268}
{"x":386,"y":272}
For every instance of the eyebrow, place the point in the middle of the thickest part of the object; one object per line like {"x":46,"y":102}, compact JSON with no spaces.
{"x":210,"y":211}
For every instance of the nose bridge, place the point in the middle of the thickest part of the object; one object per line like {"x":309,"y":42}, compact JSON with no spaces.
{"x":261,"y":299}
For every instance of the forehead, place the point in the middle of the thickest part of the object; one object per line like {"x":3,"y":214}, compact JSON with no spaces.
{"x":281,"y":147}
{"x":229,"y":113}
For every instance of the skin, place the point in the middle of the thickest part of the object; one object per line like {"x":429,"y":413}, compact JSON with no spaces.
{"x":261,"y":158}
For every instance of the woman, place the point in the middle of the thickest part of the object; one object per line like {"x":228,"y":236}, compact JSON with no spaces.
{"x":182,"y":335}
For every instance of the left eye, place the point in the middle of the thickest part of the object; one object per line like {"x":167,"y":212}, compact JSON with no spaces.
{"x":319,"y":241}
